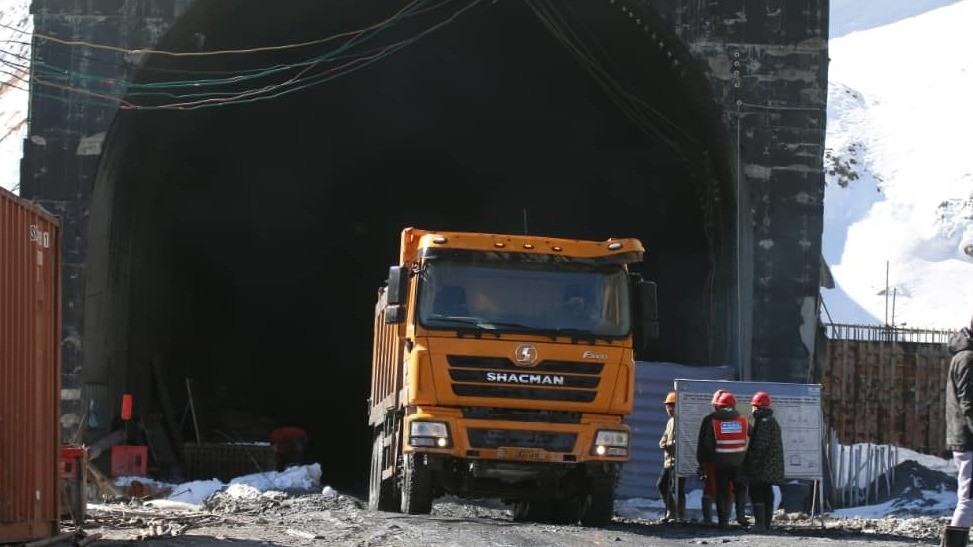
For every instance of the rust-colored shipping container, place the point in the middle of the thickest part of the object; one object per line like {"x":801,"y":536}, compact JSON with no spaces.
{"x":30,"y":370}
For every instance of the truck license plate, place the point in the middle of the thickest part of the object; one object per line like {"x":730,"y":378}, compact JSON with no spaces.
{"x":525,"y":454}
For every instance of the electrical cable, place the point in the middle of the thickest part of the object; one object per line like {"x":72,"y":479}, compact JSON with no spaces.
{"x":295,"y":83}
{"x":319,"y":79}
{"x":150,"y":51}
{"x":148,"y":68}
{"x":625,"y":100}
{"x":58,"y":98}
{"x":405,"y":12}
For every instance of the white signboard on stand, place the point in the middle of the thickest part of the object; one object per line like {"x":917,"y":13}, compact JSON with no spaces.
{"x":797,"y":408}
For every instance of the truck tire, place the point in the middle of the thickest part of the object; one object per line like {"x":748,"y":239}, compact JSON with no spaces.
{"x":598,"y":507}
{"x":567,"y":511}
{"x":417,"y":486}
{"x":533,"y":511}
{"x":382,"y":495}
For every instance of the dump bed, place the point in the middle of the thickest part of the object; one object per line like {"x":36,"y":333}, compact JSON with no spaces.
{"x":386,"y":364}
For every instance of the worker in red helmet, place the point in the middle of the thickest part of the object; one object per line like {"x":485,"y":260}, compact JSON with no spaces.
{"x":707,"y":471}
{"x":724,"y":444}
{"x":668,"y":481}
{"x":763,"y":465}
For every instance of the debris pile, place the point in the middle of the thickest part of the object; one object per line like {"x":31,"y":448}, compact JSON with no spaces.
{"x":147,"y":523}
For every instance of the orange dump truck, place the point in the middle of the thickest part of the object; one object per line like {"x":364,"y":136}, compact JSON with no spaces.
{"x":503,"y":367}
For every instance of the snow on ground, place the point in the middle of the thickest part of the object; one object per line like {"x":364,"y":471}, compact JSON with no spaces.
{"x":930,"y":503}
{"x":303,"y":478}
{"x":924,"y":486}
{"x":934,"y":463}
{"x":921,"y":491}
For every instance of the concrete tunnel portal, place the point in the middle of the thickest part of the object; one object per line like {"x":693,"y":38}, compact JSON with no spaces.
{"x":242,"y":245}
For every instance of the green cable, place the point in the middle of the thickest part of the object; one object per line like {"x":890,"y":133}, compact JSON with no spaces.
{"x":235,"y":79}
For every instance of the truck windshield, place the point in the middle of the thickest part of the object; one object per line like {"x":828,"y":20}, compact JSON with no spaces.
{"x":525,"y":296}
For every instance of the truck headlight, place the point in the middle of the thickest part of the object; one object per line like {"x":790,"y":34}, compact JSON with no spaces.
{"x":432,"y":434}
{"x":610,"y":442}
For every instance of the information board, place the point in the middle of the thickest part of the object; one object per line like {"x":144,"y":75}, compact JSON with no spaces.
{"x":797,"y":408}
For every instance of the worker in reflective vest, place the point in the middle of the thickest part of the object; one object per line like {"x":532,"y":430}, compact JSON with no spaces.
{"x":724,"y":444}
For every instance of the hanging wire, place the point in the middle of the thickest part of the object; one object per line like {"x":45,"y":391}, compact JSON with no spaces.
{"x":249,"y":74}
{"x":292,"y":86}
{"x":56,"y":78}
{"x":149,"y":51}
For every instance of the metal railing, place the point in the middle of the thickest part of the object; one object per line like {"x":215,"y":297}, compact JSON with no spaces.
{"x":883,"y":333}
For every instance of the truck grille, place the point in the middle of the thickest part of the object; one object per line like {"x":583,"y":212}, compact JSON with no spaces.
{"x":521,"y":415}
{"x":502,"y":363}
{"x":499,"y":377}
{"x":495,"y":438}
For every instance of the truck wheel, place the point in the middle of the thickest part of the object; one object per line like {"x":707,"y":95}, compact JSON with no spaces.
{"x":532,"y":511}
{"x":567,"y":511}
{"x":417,"y":486}
{"x":598,"y":507}
{"x":382,"y":495}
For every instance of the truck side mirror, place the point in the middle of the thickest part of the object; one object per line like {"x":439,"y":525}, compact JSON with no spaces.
{"x":398,"y":285}
{"x":648,"y":302}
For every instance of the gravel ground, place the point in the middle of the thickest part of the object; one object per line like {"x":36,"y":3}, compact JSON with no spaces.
{"x":316,"y":519}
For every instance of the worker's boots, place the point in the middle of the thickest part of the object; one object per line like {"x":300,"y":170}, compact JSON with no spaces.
{"x":955,"y":536}
{"x":741,"y":508}
{"x":670,"y":512}
{"x":722,"y":511}
{"x":707,"y":508}
{"x":760,"y":516}
{"x":768,"y":515}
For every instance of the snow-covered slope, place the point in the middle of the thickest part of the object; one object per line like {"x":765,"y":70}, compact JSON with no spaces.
{"x":900,"y":166}
{"x":14,"y":58}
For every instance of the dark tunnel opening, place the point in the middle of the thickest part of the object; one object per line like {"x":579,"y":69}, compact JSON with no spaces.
{"x":242,"y":244}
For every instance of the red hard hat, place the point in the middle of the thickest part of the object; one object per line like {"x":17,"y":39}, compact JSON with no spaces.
{"x":726,"y":399}
{"x":760,"y":398}
{"x":716,"y":396}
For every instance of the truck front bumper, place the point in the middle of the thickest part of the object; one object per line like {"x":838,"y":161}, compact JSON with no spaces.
{"x":445,"y":431}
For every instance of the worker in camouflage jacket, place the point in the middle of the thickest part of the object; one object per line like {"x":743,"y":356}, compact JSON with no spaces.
{"x":763,"y":465}
{"x":668,"y":479}
{"x":959,"y":433}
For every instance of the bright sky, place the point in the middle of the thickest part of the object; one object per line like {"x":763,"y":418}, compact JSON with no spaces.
{"x":13,"y":101}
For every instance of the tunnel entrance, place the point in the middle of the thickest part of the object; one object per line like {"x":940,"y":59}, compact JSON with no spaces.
{"x":241,"y":243}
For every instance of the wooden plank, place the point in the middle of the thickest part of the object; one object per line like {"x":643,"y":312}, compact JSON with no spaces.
{"x":886,"y":386}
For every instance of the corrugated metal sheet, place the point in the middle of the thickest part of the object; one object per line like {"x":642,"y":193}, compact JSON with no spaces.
{"x":30,"y":371}
{"x":648,"y":419}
